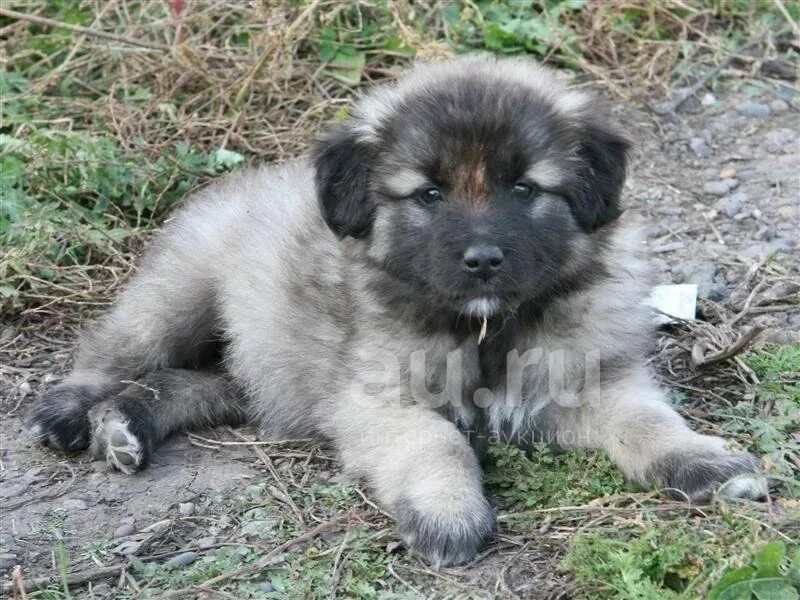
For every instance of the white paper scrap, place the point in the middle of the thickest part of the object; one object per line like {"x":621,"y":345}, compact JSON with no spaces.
{"x":678,"y":301}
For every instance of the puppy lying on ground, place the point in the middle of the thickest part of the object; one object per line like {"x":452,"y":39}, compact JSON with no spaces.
{"x":446,"y":268}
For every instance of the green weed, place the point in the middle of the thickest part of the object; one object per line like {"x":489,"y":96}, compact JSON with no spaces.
{"x":670,"y":560}
{"x":549,"y":479}
{"x":772,"y":418}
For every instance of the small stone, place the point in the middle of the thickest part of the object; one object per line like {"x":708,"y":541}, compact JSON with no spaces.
{"x":704,"y":274}
{"x":699,"y":147}
{"x":8,"y":561}
{"x":183,"y":559}
{"x":717,"y":188}
{"x":101,"y":590}
{"x":124,"y":531}
{"x":708,"y":99}
{"x":732,"y":205}
{"x":748,"y":174}
{"x":24,"y":389}
{"x":74,"y":504}
{"x":779,"y":106}
{"x":266,"y":587}
{"x":205,"y":543}
{"x":754,"y":109}
{"x":756,"y":214}
{"x":186,"y":508}
{"x":727,"y":173}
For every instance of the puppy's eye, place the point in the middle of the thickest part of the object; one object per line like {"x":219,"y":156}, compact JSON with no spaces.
{"x":523,"y":191}
{"x":430,"y":195}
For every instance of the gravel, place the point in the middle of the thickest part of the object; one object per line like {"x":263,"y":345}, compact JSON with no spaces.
{"x":732,"y":205}
{"x":721,"y":187}
{"x":754,"y":109}
{"x":699,"y":147}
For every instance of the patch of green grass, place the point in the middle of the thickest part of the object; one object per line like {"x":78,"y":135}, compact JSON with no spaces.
{"x":73,"y":198}
{"x":550,"y":479}
{"x":674,"y":560}
{"x":772,"y":419}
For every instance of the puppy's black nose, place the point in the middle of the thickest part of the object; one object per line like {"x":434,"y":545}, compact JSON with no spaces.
{"x":483,"y":260}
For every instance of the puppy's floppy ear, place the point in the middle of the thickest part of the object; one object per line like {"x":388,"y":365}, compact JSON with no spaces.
{"x":595,"y":195}
{"x":343,"y":166}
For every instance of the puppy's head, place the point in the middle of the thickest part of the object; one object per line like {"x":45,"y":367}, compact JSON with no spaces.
{"x":482,"y":183}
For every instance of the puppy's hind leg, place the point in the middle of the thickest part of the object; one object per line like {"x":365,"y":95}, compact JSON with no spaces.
{"x":127,"y":427}
{"x":165,"y":318}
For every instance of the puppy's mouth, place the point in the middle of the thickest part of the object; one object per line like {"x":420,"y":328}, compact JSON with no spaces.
{"x":482,"y":306}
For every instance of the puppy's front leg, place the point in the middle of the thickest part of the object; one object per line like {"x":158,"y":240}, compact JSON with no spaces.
{"x":631,"y":420}
{"x":422,"y":469}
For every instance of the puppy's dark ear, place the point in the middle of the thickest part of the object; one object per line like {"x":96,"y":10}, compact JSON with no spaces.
{"x":596,"y":193}
{"x":343,"y":166}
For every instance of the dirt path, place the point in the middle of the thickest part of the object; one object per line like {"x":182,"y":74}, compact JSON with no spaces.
{"x":718,"y":186}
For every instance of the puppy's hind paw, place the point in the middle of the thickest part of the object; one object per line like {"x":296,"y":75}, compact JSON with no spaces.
{"x":700,"y":478}
{"x":125,"y":446}
{"x":59,"y":419}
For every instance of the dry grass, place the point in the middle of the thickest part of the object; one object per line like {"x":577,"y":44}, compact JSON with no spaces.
{"x":254,"y":78}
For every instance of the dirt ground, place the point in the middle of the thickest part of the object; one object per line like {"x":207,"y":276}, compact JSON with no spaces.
{"x":717,"y":184}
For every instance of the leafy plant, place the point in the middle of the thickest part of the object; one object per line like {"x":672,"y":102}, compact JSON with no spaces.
{"x":773,"y":417}
{"x":771,"y":576}
{"x":547,"y":479}
{"x":654,"y":564}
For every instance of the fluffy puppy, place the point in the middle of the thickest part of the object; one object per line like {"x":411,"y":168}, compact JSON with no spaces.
{"x":446,"y":268}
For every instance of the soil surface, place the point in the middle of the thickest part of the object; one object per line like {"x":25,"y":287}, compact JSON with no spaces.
{"x":717,"y":184}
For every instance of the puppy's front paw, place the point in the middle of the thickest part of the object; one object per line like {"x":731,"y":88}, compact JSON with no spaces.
{"x":60,"y":418}
{"x":444,"y":537}
{"x":701,"y":477}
